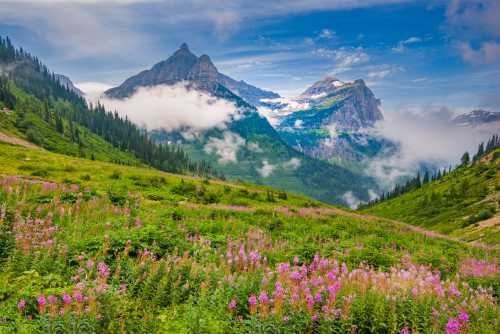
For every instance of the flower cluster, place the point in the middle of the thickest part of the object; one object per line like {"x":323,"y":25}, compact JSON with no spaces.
{"x":479,"y":268}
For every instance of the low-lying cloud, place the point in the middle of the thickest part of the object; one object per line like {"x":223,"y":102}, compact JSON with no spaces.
{"x":424,"y":136}
{"x":226,"y":148}
{"x":173,"y":108}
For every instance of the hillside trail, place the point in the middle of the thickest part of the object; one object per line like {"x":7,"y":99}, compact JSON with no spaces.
{"x":16,"y":141}
{"x":319,"y":212}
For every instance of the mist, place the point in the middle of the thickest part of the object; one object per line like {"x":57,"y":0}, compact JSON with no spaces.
{"x":173,"y":108}
{"x":424,"y":136}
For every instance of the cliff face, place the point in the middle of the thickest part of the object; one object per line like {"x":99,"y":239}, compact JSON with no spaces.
{"x":335,"y":122}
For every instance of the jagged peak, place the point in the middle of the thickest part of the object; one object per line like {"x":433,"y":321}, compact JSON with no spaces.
{"x":184,"y":46}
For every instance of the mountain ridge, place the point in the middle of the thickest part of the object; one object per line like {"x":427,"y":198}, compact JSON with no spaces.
{"x":183,"y":65}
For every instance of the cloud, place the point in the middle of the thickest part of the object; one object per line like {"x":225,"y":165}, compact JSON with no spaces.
{"x":424,"y":135}
{"x":326,"y":34}
{"x":254,"y":147}
{"x":471,"y":23}
{"x":401,"y":47}
{"x":174,"y":108}
{"x":267,"y":169}
{"x":351,"y":200}
{"x":292,"y":164}
{"x":344,"y":58}
{"x":92,"y":90}
{"x":487,"y":53}
{"x":78,"y":28}
{"x":226,"y":148}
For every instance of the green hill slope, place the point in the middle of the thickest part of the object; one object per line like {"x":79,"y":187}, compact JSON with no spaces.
{"x":459,"y":203}
{"x":109,"y":248}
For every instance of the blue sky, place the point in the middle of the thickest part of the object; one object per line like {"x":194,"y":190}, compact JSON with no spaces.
{"x":415,"y":55}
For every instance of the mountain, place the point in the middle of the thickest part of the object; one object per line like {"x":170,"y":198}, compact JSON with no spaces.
{"x":333,"y":120}
{"x":185,"y":66}
{"x":248,"y":147}
{"x":463,"y":203}
{"x":68,"y":84}
{"x":46,"y":112}
{"x":477,"y":117}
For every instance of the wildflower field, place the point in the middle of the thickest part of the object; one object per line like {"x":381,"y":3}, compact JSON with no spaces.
{"x":92,"y":247}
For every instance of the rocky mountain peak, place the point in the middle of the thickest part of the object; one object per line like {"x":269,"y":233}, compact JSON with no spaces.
{"x":183,"y":65}
{"x":322,"y":87}
{"x":477,"y":117}
{"x":203,"y":72}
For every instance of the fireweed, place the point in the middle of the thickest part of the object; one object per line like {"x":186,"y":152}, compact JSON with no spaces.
{"x":235,"y":278}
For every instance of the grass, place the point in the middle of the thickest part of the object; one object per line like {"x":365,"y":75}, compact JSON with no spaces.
{"x":132,"y":249}
{"x":455,"y":204}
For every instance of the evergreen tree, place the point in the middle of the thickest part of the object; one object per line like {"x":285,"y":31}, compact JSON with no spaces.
{"x":465,"y":159}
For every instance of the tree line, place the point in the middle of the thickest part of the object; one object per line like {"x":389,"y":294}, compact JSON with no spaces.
{"x":58,"y":105}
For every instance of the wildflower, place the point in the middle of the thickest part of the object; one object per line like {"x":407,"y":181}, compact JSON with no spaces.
{"x":52,"y":299}
{"x":90,"y":264}
{"x":285,"y":318}
{"x":405,"y":331}
{"x":232,"y":304}
{"x":295,"y":276}
{"x":66,"y":299}
{"x":252,"y":300}
{"x":263,"y":298}
{"x":296,"y":260}
{"x":21,"y":305}
{"x":453,"y":291}
{"x":453,"y":326}
{"x":138,"y":222}
{"x":463,"y":317}
{"x":78,"y":296}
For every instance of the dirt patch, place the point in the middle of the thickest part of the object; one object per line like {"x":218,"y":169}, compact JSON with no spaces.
{"x":16,"y":141}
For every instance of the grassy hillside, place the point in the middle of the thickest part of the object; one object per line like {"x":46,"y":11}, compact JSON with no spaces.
{"x":96,"y":247}
{"x":464,"y":203}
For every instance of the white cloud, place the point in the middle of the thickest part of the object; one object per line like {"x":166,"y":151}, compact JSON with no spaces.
{"x":351,"y":200}
{"x":92,"y":90}
{"x":298,"y":124}
{"x":226,"y":148}
{"x":487,"y":53}
{"x":267,"y":169}
{"x":401,"y":47}
{"x":292,"y":164}
{"x":326,"y":34}
{"x":475,"y":22}
{"x":344,"y":58}
{"x":254,"y":147}
{"x":173,"y":108}
{"x":424,"y":134}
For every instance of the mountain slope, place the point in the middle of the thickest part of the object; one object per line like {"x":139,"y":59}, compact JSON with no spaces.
{"x":185,"y":66}
{"x":108,"y":247}
{"x":247,"y":147}
{"x":459,"y":203}
{"x":43,"y":109}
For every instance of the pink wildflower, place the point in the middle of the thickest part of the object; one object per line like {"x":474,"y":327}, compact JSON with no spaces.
{"x":463,"y":317}
{"x":252,"y":300}
{"x":263,"y":298}
{"x":405,"y":331}
{"x":52,"y":299}
{"x":21,"y":305}
{"x":66,"y":299}
{"x":232,"y":304}
{"x":453,"y":326}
